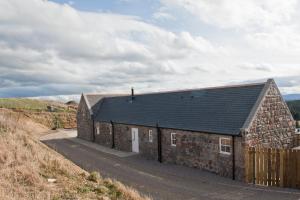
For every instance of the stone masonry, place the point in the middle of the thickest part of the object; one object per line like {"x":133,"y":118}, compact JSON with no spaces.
{"x":104,"y":136}
{"x":273,"y":126}
{"x":123,"y":140}
{"x":84,"y":121}
{"x":201,"y":150}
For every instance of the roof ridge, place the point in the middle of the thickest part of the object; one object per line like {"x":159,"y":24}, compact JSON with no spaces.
{"x":196,"y":89}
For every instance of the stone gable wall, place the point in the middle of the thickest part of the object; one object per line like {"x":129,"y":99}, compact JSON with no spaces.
{"x":84,"y":121}
{"x":273,"y":126}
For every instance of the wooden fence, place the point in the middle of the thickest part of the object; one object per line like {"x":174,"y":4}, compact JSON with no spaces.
{"x":273,"y":167}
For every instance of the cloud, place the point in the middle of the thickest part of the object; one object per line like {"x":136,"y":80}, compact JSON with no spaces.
{"x":239,"y":14}
{"x":48,"y":48}
{"x":62,"y":45}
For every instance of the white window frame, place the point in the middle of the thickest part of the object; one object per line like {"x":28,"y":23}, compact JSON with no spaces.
{"x":297,"y":131}
{"x":172,"y":139}
{"x":110,"y":129}
{"x":220,"y":145}
{"x":98,"y":129}
{"x":150,"y":136}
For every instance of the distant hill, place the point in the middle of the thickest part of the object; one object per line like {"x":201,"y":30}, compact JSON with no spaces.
{"x":52,"y":114}
{"x":291,"y":97}
{"x":295,"y":109}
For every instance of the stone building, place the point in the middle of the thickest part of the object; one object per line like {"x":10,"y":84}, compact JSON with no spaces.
{"x":202,"y":128}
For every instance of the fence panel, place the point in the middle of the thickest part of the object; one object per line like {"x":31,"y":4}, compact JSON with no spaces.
{"x":273,"y":167}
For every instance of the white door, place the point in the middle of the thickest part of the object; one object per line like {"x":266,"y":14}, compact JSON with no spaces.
{"x":135,"y":139}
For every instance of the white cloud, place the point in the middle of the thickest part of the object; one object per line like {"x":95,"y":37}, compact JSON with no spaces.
{"x":239,"y":14}
{"x":44,"y":43}
{"x":51,"y":49}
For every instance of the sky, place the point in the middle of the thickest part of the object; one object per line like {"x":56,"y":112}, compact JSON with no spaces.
{"x":59,"y":47}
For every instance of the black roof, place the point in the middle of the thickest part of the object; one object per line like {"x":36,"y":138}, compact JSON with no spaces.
{"x":213,"y":110}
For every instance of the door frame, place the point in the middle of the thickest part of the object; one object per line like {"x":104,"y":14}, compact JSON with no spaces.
{"x":135,"y":140}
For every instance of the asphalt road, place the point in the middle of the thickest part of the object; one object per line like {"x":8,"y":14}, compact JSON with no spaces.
{"x":165,"y":181}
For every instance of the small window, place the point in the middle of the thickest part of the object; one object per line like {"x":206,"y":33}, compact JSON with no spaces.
{"x":110,"y":129}
{"x":225,"y":146}
{"x":98,"y":130}
{"x":173,"y":139}
{"x":297,"y":130}
{"x":150,"y":136}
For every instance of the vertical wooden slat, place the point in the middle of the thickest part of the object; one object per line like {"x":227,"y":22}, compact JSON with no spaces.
{"x":277,"y":167}
{"x":250,"y":166}
{"x":253,"y":165}
{"x":265,"y":166}
{"x":260,"y":168}
{"x":298,"y":169}
{"x":246,"y":164}
{"x":257,"y":153}
{"x":281,"y":176}
{"x":287,"y":168}
{"x":273,"y":164}
{"x":294,"y":168}
{"x":269,"y":168}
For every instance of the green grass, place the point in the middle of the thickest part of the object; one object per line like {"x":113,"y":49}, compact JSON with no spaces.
{"x":29,"y":104}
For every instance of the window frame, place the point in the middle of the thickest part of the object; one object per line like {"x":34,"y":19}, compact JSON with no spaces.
{"x":98,"y":129}
{"x":226,"y":145}
{"x":150,"y":136}
{"x":172,"y":139}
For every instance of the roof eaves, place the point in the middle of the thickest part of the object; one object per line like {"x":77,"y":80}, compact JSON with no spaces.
{"x":257,"y":105}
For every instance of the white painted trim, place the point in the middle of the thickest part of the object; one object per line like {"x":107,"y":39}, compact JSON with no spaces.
{"x":98,"y":129}
{"x":220,"y":144}
{"x":150,"y":136}
{"x":135,"y":140}
{"x":174,"y":145}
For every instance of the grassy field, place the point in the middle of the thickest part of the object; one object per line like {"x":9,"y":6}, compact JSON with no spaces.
{"x":29,"y":170}
{"x":33,"y":105}
{"x":62,"y":115}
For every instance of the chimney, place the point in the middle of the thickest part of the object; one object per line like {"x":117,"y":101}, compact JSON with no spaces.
{"x":132,"y":94}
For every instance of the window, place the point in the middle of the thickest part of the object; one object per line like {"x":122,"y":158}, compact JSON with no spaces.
{"x":110,"y":129}
{"x":225,"y":146}
{"x":150,"y":136}
{"x":173,"y":139}
{"x":98,"y":129}
{"x":297,"y":130}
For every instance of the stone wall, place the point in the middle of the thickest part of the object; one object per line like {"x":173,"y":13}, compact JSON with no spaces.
{"x":122,"y":137}
{"x":84,"y":121}
{"x":201,"y":150}
{"x":104,"y":137}
{"x":273,"y":126}
{"x":148,"y":149}
{"x":123,"y":140}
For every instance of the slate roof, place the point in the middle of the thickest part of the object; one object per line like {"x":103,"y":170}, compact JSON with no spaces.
{"x":213,"y":110}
